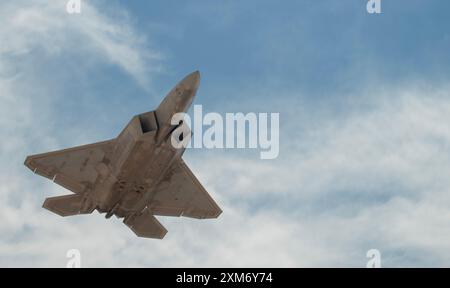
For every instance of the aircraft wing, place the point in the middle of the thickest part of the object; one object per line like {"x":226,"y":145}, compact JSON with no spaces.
{"x":73,"y":168}
{"x":181,"y":194}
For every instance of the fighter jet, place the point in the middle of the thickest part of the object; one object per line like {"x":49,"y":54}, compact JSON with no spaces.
{"x":135,"y":176}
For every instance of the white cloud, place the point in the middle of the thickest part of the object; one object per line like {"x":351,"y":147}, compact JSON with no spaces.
{"x":39,"y":41}
{"x":370,"y":177}
{"x":31,"y":25}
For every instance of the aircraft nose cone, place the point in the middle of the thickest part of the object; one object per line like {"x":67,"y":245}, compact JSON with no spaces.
{"x":188,"y":88}
{"x":192,"y":81}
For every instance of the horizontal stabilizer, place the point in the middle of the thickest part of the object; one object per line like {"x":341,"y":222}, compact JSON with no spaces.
{"x":146,"y":225}
{"x":67,"y":205}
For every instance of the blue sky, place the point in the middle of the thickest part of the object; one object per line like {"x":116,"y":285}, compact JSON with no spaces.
{"x":313,"y":47}
{"x":364,"y":109}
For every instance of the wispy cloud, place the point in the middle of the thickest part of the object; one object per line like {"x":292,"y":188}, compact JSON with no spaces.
{"x":32,"y":25}
{"x":40,"y":42}
{"x":367,"y":178}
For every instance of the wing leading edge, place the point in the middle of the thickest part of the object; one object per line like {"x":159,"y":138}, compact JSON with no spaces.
{"x":74,"y":168}
{"x":181,"y":194}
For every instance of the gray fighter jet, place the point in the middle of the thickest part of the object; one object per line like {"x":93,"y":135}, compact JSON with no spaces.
{"x":135,"y":176}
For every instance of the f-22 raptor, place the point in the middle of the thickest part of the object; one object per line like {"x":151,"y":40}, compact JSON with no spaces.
{"x":135,"y":176}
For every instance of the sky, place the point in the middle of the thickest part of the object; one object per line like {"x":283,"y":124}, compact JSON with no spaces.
{"x":364,"y":106}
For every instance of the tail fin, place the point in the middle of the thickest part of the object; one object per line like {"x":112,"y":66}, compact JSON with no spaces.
{"x":67,"y":205}
{"x":146,"y":225}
